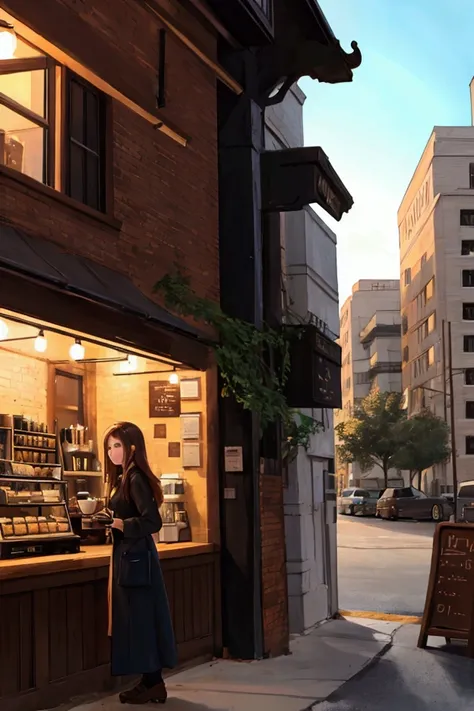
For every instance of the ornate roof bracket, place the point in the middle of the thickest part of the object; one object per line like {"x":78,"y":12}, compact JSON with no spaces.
{"x":281,"y":65}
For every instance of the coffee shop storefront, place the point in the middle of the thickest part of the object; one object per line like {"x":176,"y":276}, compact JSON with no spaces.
{"x":81,"y":348}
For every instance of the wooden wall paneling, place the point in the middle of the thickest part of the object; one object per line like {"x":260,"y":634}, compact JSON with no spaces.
{"x":179,"y":593}
{"x":40,"y":631}
{"x":189,"y":575}
{"x":25,"y":637}
{"x":89,"y":617}
{"x":10,"y":646}
{"x":75,"y":628}
{"x":57,"y":624}
{"x":101,"y":626}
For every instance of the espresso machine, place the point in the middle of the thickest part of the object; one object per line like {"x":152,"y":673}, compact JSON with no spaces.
{"x":176,"y":527}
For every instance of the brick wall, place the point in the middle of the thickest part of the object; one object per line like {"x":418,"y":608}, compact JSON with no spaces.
{"x":23,"y":385}
{"x":274,"y":581}
{"x":165,"y":194}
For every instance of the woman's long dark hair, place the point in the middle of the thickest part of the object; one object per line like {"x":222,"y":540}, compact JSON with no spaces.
{"x":134,"y":446}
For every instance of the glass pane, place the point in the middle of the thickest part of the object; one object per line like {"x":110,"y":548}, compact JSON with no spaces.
{"x":92,"y":181}
{"x":27,"y":89}
{"x":92,"y":122}
{"x":21,"y":144}
{"x":68,"y":401}
{"x":77,"y":172}
{"x":76,"y":123}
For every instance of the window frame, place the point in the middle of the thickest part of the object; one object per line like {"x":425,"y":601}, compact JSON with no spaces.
{"x":469,"y":253}
{"x":55,"y":125}
{"x":469,"y":439}
{"x":467,"y":306}
{"x":466,"y":213}
{"x":469,"y":338}
{"x":47,"y":122}
{"x":468,"y":404}
{"x":467,"y":271}
{"x":466,"y":371}
{"x":471,"y":176}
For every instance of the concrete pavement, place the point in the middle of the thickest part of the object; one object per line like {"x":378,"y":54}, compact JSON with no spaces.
{"x":410,"y":678}
{"x":383,"y":565}
{"x":319,"y":664}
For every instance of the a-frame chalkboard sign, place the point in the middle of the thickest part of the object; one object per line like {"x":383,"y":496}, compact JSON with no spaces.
{"x":449,"y":607}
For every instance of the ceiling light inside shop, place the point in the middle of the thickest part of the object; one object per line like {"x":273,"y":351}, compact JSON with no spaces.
{"x":41,"y":343}
{"x":3,"y":330}
{"x":174,"y":378}
{"x":129,"y":365}
{"x":7,"y":40}
{"x":77,"y":350}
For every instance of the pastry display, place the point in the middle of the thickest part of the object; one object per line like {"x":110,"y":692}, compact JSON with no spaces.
{"x":6,"y":525}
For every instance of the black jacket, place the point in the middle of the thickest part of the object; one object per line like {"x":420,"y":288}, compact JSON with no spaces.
{"x":142,"y":631}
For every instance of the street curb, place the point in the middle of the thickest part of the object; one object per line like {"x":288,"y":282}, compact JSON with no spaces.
{"x":334,"y":696}
{"x":382,"y":616}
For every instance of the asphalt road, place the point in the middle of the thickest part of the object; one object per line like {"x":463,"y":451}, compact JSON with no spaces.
{"x":383,"y":565}
{"x":410,"y":678}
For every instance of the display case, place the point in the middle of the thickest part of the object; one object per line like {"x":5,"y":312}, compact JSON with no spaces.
{"x":34,"y":518}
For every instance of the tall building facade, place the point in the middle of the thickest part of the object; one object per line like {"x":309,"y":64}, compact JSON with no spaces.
{"x":436,"y":228}
{"x":309,"y":295}
{"x":370,"y":337}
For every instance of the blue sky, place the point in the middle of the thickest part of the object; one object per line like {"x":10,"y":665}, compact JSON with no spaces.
{"x":418,"y":61}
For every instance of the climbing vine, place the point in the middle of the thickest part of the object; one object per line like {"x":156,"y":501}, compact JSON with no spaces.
{"x":254,"y":363}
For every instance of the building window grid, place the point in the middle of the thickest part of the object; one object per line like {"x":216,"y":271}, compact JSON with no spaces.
{"x":467,"y":218}
{"x":471,"y":175}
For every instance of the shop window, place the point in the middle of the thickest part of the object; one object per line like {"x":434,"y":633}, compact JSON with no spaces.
{"x":468,"y":344}
{"x":467,"y":247}
{"x":470,"y":410}
{"x":471,"y":175}
{"x":26,"y":124}
{"x":85,"y":133}
{"x":469,"y":376}
{"x":469,"y":445}
{"x":47,"y":114}
{"x":468,"y":277}
{"x":467,"y":218}
{"x":468,"y":312}
{"x":69,"y":401}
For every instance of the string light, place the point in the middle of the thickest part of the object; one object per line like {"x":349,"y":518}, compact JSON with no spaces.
{"x":77,"y":350}
{"x":8,"y":40}
{"x":41,"y":343}
{"x":3,"y":330}
{"x":129,"y":365}
{"x":174,"y":378}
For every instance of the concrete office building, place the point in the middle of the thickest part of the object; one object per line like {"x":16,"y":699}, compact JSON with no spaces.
{"x":370,"y":337}
{"x":436,"y":227}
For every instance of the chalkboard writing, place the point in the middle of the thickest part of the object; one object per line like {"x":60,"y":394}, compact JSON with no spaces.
{"x":165,"y":399}
{"x":449,"y":608}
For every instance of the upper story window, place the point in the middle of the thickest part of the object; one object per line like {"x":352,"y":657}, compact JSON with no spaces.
{"x":52,"y":125}
{"x":468,"y":277}
{"x":467,"y":218}
{"x":424,"y":257}
{"x":467,"y":247}
{"x":407,"y":276}
{"x":471,"y":175}
{"x":265,"y":6}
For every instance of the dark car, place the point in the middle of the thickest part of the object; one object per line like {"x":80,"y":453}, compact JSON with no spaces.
{"x":408,"y":502}
{"x":358,"y":501}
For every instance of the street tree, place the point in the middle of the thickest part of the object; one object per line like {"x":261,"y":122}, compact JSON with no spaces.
{"x":370,"y":438}
{"x":424,"y":441}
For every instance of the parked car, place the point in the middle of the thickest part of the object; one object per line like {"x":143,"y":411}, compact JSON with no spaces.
{"x":465,"y":501}
{"x":358,"y":501}
{"x":408,"y":502}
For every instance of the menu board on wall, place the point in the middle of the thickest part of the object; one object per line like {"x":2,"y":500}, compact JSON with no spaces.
{"x":165,"y":400}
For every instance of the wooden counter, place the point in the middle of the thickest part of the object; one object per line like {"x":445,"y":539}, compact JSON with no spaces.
{"x":53,"y":622}
{"x":89,"y":557}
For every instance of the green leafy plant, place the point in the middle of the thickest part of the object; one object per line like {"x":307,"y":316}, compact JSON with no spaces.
{"x":371,"y":437}
{"x":254,"y":363}
{"x":424,"y":442}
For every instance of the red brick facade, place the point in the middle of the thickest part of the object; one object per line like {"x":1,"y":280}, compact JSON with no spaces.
{"x":165,"y":195}
{"x":274,"y":581}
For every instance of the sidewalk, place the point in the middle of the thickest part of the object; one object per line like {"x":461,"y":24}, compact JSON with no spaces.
{"x":319,"y":664}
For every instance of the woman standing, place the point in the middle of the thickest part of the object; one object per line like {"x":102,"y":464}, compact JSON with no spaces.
{"x":139,"y":619}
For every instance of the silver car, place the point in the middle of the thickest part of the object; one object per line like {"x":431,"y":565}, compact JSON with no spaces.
{"x":358,"y":501}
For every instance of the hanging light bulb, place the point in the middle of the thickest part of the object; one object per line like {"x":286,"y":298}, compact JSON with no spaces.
{"x":41,"y":343}
{"x":174,"y":378}
{"x":129,"y":365}
{"x":8,"y":40}
{"x":3,"y":330}
{"x":77,"y":350}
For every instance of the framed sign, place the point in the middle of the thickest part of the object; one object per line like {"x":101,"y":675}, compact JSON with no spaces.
{"x":191,"y":425}
{"x":191,"y":455}
{"x":165,"y":399}
{"x":233,"y":459}
{"x":174,"y":449}
{"x":190,"y":388}
{"x":160,"y":431}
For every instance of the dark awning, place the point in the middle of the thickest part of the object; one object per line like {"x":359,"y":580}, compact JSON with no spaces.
{"x":126,"y":311}
{"x":295,"y":177}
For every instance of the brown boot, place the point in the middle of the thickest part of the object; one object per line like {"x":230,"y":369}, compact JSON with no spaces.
{"x":140,"y":694}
